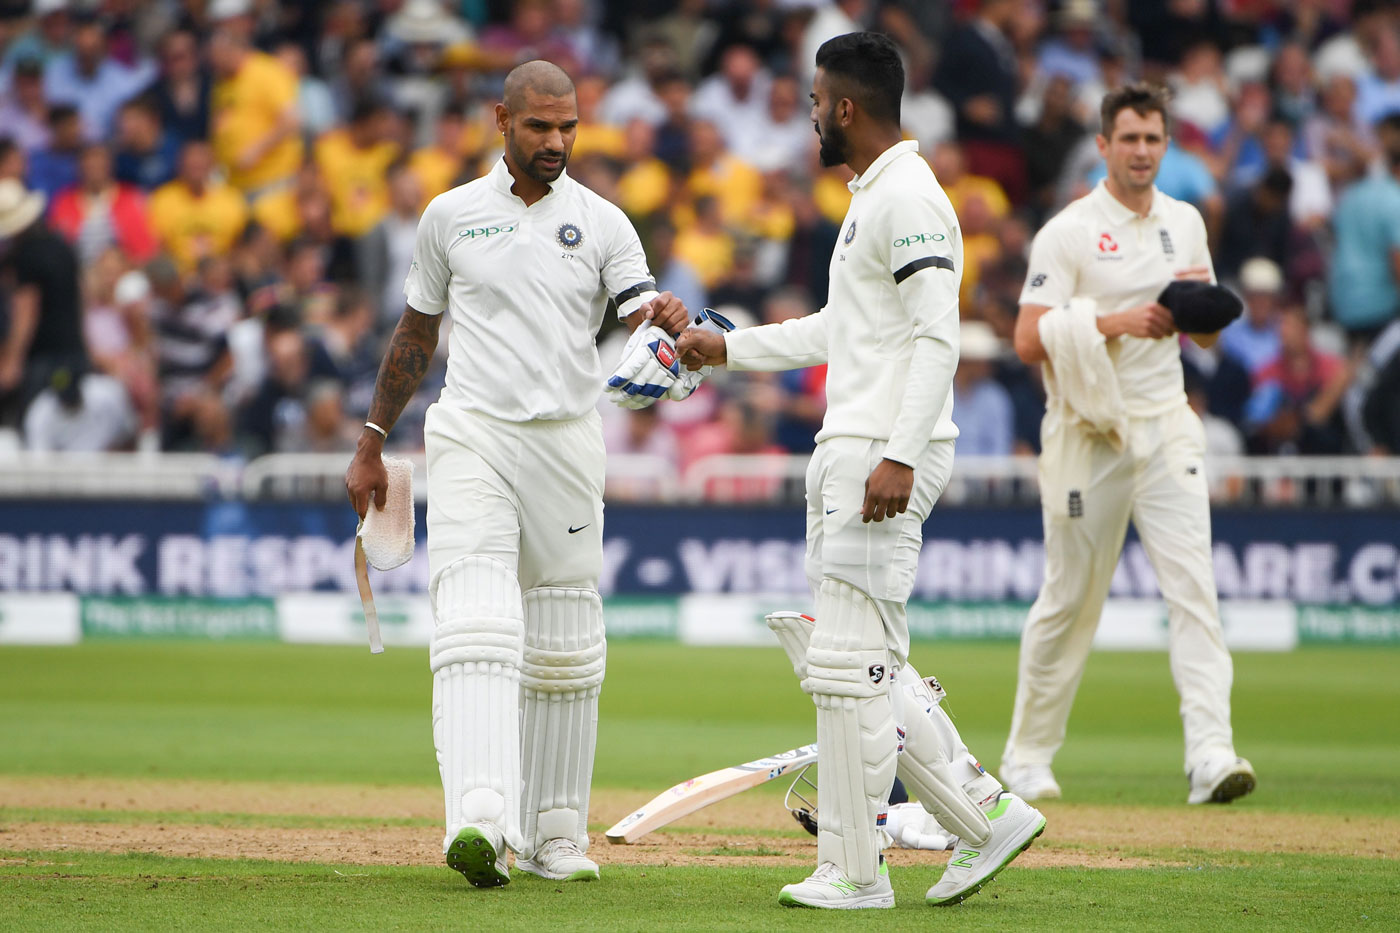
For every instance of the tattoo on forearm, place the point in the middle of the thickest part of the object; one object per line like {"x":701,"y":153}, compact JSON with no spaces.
{"x":410,"y":351}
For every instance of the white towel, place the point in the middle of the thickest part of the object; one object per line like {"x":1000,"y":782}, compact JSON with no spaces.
{"x":1081,"y":374}
{"x":387,"y":536}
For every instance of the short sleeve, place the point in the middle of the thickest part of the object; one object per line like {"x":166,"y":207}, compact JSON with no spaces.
{"x":1050,"y":275}
{"x":625,"y":274}
{"x":428,"y":275}
{"x":918,"y":237}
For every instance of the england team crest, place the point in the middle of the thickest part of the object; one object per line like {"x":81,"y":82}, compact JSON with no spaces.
{"x":569,"y":236}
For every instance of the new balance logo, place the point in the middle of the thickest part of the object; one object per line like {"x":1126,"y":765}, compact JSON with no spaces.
{"x":1038,"y":280}
{"x":964,"y":859}
{"x":844,"y":886}
{"x":1076,"y":504}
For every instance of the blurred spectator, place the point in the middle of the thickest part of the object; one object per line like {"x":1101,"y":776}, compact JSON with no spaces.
{"x":275,"y":418}
{"x":786,"y":134}
{"x":48,"y":37}
{"x":195,"y":216}
{"x":743,"y":429}
{"x":740,"y":286}
{"x":1291,"y":83}
{"x":1381,"y":403}
{"x":1253,"y":338}
{"x":594,"y":136}
{"x":645,"y":186}
{"x":1257,"y":224}
{"x":91,"y":80}
{"x":1366,"y":256}
{"x":24,"y":110}
{"x":55,"y":167}
{"x":575,"y":26}
{"x":1070,"y":55}
{"x":193,"y":361}
{"x":705,"y":245}
{"x":718,"y":174}
{"x":1310,"y":203}
{"x":1049,"y":142}
{"x":673,"y":142}
{"x":353,"y":161}
{"x":360,"y":76}
{"x":1378,"y":90}
{"x":1333,"y":138}
{"x":735,"y":99}
{"x":814,"y":235}
{"x":979,"y":74}
{"x":45,"y":330}
{"x":183,"y":90}
{"x":673,"y":273}
{"x":1295,"y":405}
{"x":690,"y":34}
{"x":831,"y":19}
{"x":1200,"y":95}
{"x":145,"y":155}
{"x":643,"y":432}
{"x":981,"y":407}
{"x":99,"y":212}
{"x":117,"y":330}
{"x":80,"y":412}
{"x":314,"y":101}
{"x":950,"y":166}
{"x":637,"y":96}
{"x":348,"y":338}
{"x":386,"y":252}
{"x":12,"y":162}
{"x":799,"y":404}
{"x":1222,"y":438}
{"x":1224,"y":380}
{"x":529,"y":34}
{"x":254,"y":123}
{"x":438,"y":165}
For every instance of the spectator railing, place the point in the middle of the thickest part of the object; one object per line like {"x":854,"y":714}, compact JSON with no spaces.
{"x":778,"y":479}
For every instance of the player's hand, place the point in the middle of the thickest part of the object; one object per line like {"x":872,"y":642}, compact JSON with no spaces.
{"x":701,"y":348}
{"x":366,"y":476}
{"x":887,"y":491}
{"x":666,"y":311}
{"x":1150,"y":321}
{"x":1194,"y":273}
{"x":647,"y":370}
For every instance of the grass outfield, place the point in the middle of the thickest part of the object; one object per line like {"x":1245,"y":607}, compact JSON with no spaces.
{"x":104,"y":746}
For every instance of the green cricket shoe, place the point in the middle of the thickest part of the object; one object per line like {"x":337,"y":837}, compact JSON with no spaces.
{"x":478,"y":852}
{"x":828,"y":888}
{"x":1015,"y":825}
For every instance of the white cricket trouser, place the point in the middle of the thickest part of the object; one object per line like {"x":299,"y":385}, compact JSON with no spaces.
{"x":527,"y":494}
{"x":1088,"y":492}
{"x":878,"y":558}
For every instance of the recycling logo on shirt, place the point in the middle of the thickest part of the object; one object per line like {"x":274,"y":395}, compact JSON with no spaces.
{"x":569,"y":236}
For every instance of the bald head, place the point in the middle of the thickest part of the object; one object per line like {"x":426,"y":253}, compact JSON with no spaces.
{"x":537,"y":77}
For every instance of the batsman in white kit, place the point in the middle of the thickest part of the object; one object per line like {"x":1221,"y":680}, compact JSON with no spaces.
{"x":1119,"y":441}
{"x":889,"y":336}
{"x":524,"y":260}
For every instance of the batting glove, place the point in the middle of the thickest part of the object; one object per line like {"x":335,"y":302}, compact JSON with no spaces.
{"x":913,"y":827}
{"x":689,"y":380}
{"x":647,"y":371}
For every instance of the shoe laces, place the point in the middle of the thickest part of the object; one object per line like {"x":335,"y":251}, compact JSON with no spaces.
{"x":827,"y":872}
{"x":559,"y":848}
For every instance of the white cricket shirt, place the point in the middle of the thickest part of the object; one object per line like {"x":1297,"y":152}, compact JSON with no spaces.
{"x":895,"y":274}
{"x":1099,"y":248}
{"x":526,"y":288}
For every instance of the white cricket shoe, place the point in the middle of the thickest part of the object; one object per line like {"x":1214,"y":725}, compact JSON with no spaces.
{"x":1030,"y":782}
{"x":828,"y":888}
{"x":1015,"y":824}
{"x":1220,"y":779}
{"x":560,"y":860}
{"x":478,"y":851}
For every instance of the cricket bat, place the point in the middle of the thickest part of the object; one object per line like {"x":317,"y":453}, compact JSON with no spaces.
{"x":688,"y":796}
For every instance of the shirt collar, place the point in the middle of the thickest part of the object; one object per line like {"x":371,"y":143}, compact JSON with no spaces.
{"x":883,"y":159}
{"x":1118,"y":212}
{"x":501,"y":179}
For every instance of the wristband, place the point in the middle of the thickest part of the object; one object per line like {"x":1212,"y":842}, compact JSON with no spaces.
{"x":374,"y":427}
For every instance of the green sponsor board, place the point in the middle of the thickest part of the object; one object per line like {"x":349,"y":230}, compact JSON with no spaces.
{"x":163,"y":617}
{"x":642,"y":617}
{"x":946,"y":620}
{"x":1349,"y":624}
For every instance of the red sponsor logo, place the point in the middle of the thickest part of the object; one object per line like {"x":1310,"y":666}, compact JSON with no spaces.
{"x":665,"y":354}
{"x":1107,"y":244}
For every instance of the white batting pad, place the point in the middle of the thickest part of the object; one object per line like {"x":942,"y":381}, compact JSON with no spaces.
{"x":475,"y":658}
{"x":848,"y":675}
{"x":387,"y":536}
{"x":794,"y":631}
{"x":562,"y":675}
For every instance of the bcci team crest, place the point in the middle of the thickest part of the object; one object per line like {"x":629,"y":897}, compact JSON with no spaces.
{"x":850,"y":232}
{"x":569,"y":236}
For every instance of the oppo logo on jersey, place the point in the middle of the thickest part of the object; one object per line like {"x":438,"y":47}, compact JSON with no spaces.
{"x":485,"y":232}
{"x":920,"y":238}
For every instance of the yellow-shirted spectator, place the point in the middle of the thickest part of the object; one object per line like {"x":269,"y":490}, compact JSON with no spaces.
{"x":354,"y":161}
{"x":254,"y":124}
{"x":831,"y":194}
{"x":646,"y":182}
{"x":279,"y":213}
{"x":950,"y":168}
{"x":594,"y":137}
{"x":772,"y":217}
{"x":705,"y":245}
{"x":734,"y":183}
{"x":194,"y":216}
{"x":438,"y":166}
{"x":981,"y":246}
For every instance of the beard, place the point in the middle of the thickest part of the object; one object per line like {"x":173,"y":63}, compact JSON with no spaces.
{"x":834,"y":147}
{"x":531,"y":165}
